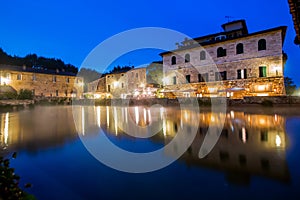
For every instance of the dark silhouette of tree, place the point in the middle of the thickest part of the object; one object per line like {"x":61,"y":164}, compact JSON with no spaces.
{"x":119,"y":69}
{"x":155,"y":73}
{"x":88,"y":75}
{"x":290,"y":87}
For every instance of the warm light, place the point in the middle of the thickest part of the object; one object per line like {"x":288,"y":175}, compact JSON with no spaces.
{"x":262,"y":121}
{"x":263,"y":95}
{"x":97,"y":96}
{"x":136,"y":112}
{"x":107,"y":116}
{"x":5,"y":81}
{"x":278,"y":141}
{"x":142,"y":85}
{"x":212,"y":119}
{"x":261,"y":88}
{"x":116,"y":120}
{"x":82,"y":120}
{"x":98,"y":116}
{"x":116,"y":83}
{"x":232,"y":114}
{"x":244,"y":135}
{"x":6,"y":123}
{"x":276,"y":118}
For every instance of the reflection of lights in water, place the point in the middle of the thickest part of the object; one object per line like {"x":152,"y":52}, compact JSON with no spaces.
{"x":278,"y":141}
{"x":161,"y":110}
{"x":186,"y":116}
{"x":244,"y":135}
{"x":6,"y":123}
{"x":149,"y":115}
{"x":98,"y":116}
{"x":126,"y":115}
{"x":232,"y":128}
{"x":116,"y":120}
{"x":107,"y":116}
{"x":212,"y":118}
{"x":145,"y":115}
{"x":276,"y":118}
{"x":82,"y":120}
{"x":232,"y":114}
{"x":165,"y":127}
{"x":249,"y":119}
{"x":136,"y":112}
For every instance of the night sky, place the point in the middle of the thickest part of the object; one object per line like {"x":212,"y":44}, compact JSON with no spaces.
{"x":71,"y":29}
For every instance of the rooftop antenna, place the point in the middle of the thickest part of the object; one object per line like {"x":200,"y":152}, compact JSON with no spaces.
{"x":229,"y":18}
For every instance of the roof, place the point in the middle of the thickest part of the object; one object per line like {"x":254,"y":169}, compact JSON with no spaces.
{"x":295,"y":11}
{"x":282,"y":28}
{"x":35,"y":70}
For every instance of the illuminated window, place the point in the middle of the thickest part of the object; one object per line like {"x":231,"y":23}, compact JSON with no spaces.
{"x":239,"y":48}
{"x":19,"y":77}
{"x":202,"y":55}
{"x":262,"y":71}
{"x":262,"y":45}
{"x":174,"y":60}
{"x":242,"y":74}
{"x":187,"y":58}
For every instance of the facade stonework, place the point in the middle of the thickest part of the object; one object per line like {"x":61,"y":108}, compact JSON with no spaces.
{"x":253,"y":63}
{"x":42,"y":84}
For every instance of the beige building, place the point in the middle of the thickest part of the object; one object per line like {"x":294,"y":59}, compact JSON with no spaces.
{"x":44,"y":83}
{"x":247,"y":64}
{"x":119,"y":85}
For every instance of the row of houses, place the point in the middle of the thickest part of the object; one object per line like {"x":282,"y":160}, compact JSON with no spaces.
{"x":233,"y":63}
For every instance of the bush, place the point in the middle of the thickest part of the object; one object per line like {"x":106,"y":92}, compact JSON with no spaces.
{"x":9,"y":95}
{"x":25,"y":94}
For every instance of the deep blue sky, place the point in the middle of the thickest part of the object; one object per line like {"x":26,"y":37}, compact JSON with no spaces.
{"x":71,"y":29}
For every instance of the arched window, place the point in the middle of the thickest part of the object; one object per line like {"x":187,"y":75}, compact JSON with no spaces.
{"x":221,"y":52}
{"x":187,"y":58}
{"x":239,"y":48}
{"x":174,"y":60}
{"x":262,"y":45}
{"x":202,"y":55}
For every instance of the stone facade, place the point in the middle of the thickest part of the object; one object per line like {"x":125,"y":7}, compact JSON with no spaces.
{"x":119,"y":85}
{"x":46,"y":84}
{"x":253,"y":64}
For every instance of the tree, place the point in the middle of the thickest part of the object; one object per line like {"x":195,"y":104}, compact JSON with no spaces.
{"x":88,"y":75}
{"x":155,"y":73}
{"x":290,"y":87}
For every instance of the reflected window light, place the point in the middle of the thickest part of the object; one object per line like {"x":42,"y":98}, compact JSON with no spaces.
{"x":126,"y":115}
{"x":82,"y":120}
{"x":243,"y":135}
{"x":149,"y":115}
{"x":136,"y":113}
{"x":262,"y":121}
{"x":145,"y":115}
{"x":6,"y":124}
{"x":107,"y":116}
{"x":164,"y":127}
{"x":276,"y":118}
{"x":212,"y":119}
{"x":232,"y":114}
{"x":98,"y":116}
{"x":278,"y":141}
{"x":116,"y":120}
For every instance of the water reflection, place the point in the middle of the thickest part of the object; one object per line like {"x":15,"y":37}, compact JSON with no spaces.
{"x":250,"y":144}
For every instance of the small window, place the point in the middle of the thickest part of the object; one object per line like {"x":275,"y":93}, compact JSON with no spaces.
{"x":203,"y":77}
{"x":263,"y":71}
{"x":67,"y":80}
{"x":187,"y":58}
{"x":174,"y":80}
{"x":174,"y":60}
{"x":19,"y":77}
{"x":223,"y":75}
{"x":54,"y":79}
{"x":264,"y":136}
{"x":221,"y":52}
{"x":188,"y":78}
{"x":66,"y":93}
{"x":202,"y":55}
{"x":56,"y":92}
{"x":239,"y":74}
{"x":262,"y":45}
{"x":108,"y":88}
{"x":239,"y":48}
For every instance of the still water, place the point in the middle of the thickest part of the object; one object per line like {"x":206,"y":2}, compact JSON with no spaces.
{"x":256,"y":155}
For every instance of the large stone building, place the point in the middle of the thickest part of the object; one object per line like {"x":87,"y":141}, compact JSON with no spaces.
{"x":246,"y":64}
{"x":119,"y":85}
{"x":44,"y":83}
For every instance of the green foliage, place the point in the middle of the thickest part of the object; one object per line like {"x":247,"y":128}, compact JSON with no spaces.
{"x":119,"y":69}
{"x":9,"y":95}
{"x":25,"y":94}
{"x":290,"y":87}
{"x":9,"y":182}
{"x":34,"y":61}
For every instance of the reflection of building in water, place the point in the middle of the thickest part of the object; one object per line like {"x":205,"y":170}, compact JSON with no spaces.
{"x":46,"y":127}
{"x":249,"y":144}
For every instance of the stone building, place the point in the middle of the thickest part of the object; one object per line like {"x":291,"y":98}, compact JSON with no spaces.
{"x":119,"y":85}
{"x":233,"y":63}
{"x":44,"y":83}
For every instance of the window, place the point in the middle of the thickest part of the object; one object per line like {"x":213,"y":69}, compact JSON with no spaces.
{"x":108,"y":88}
{"x":122,"y":85}
{"x":33,"y":77}
{"x":202,"y":77}
{"x":66,"y":93}
{"x":174,"y":60}
{"x":263,"y":71}
{"x":202,"y":55}
{"x":187,"y":58}
{"x":242,"y":74}
{"x":262,"y":45}
{"x":67,"y":80}
{"x":174,"y":80}
{"x":223,"y":75}
{"x":19,"y":77}
{"x":264,"y":136}
{"x":188,"y":78}
{"x":221,"y":52}
{"x":54,"y":79}
{"x":217,"y":76}
{"x":239,"y":48}
{"x":56,"y":92}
